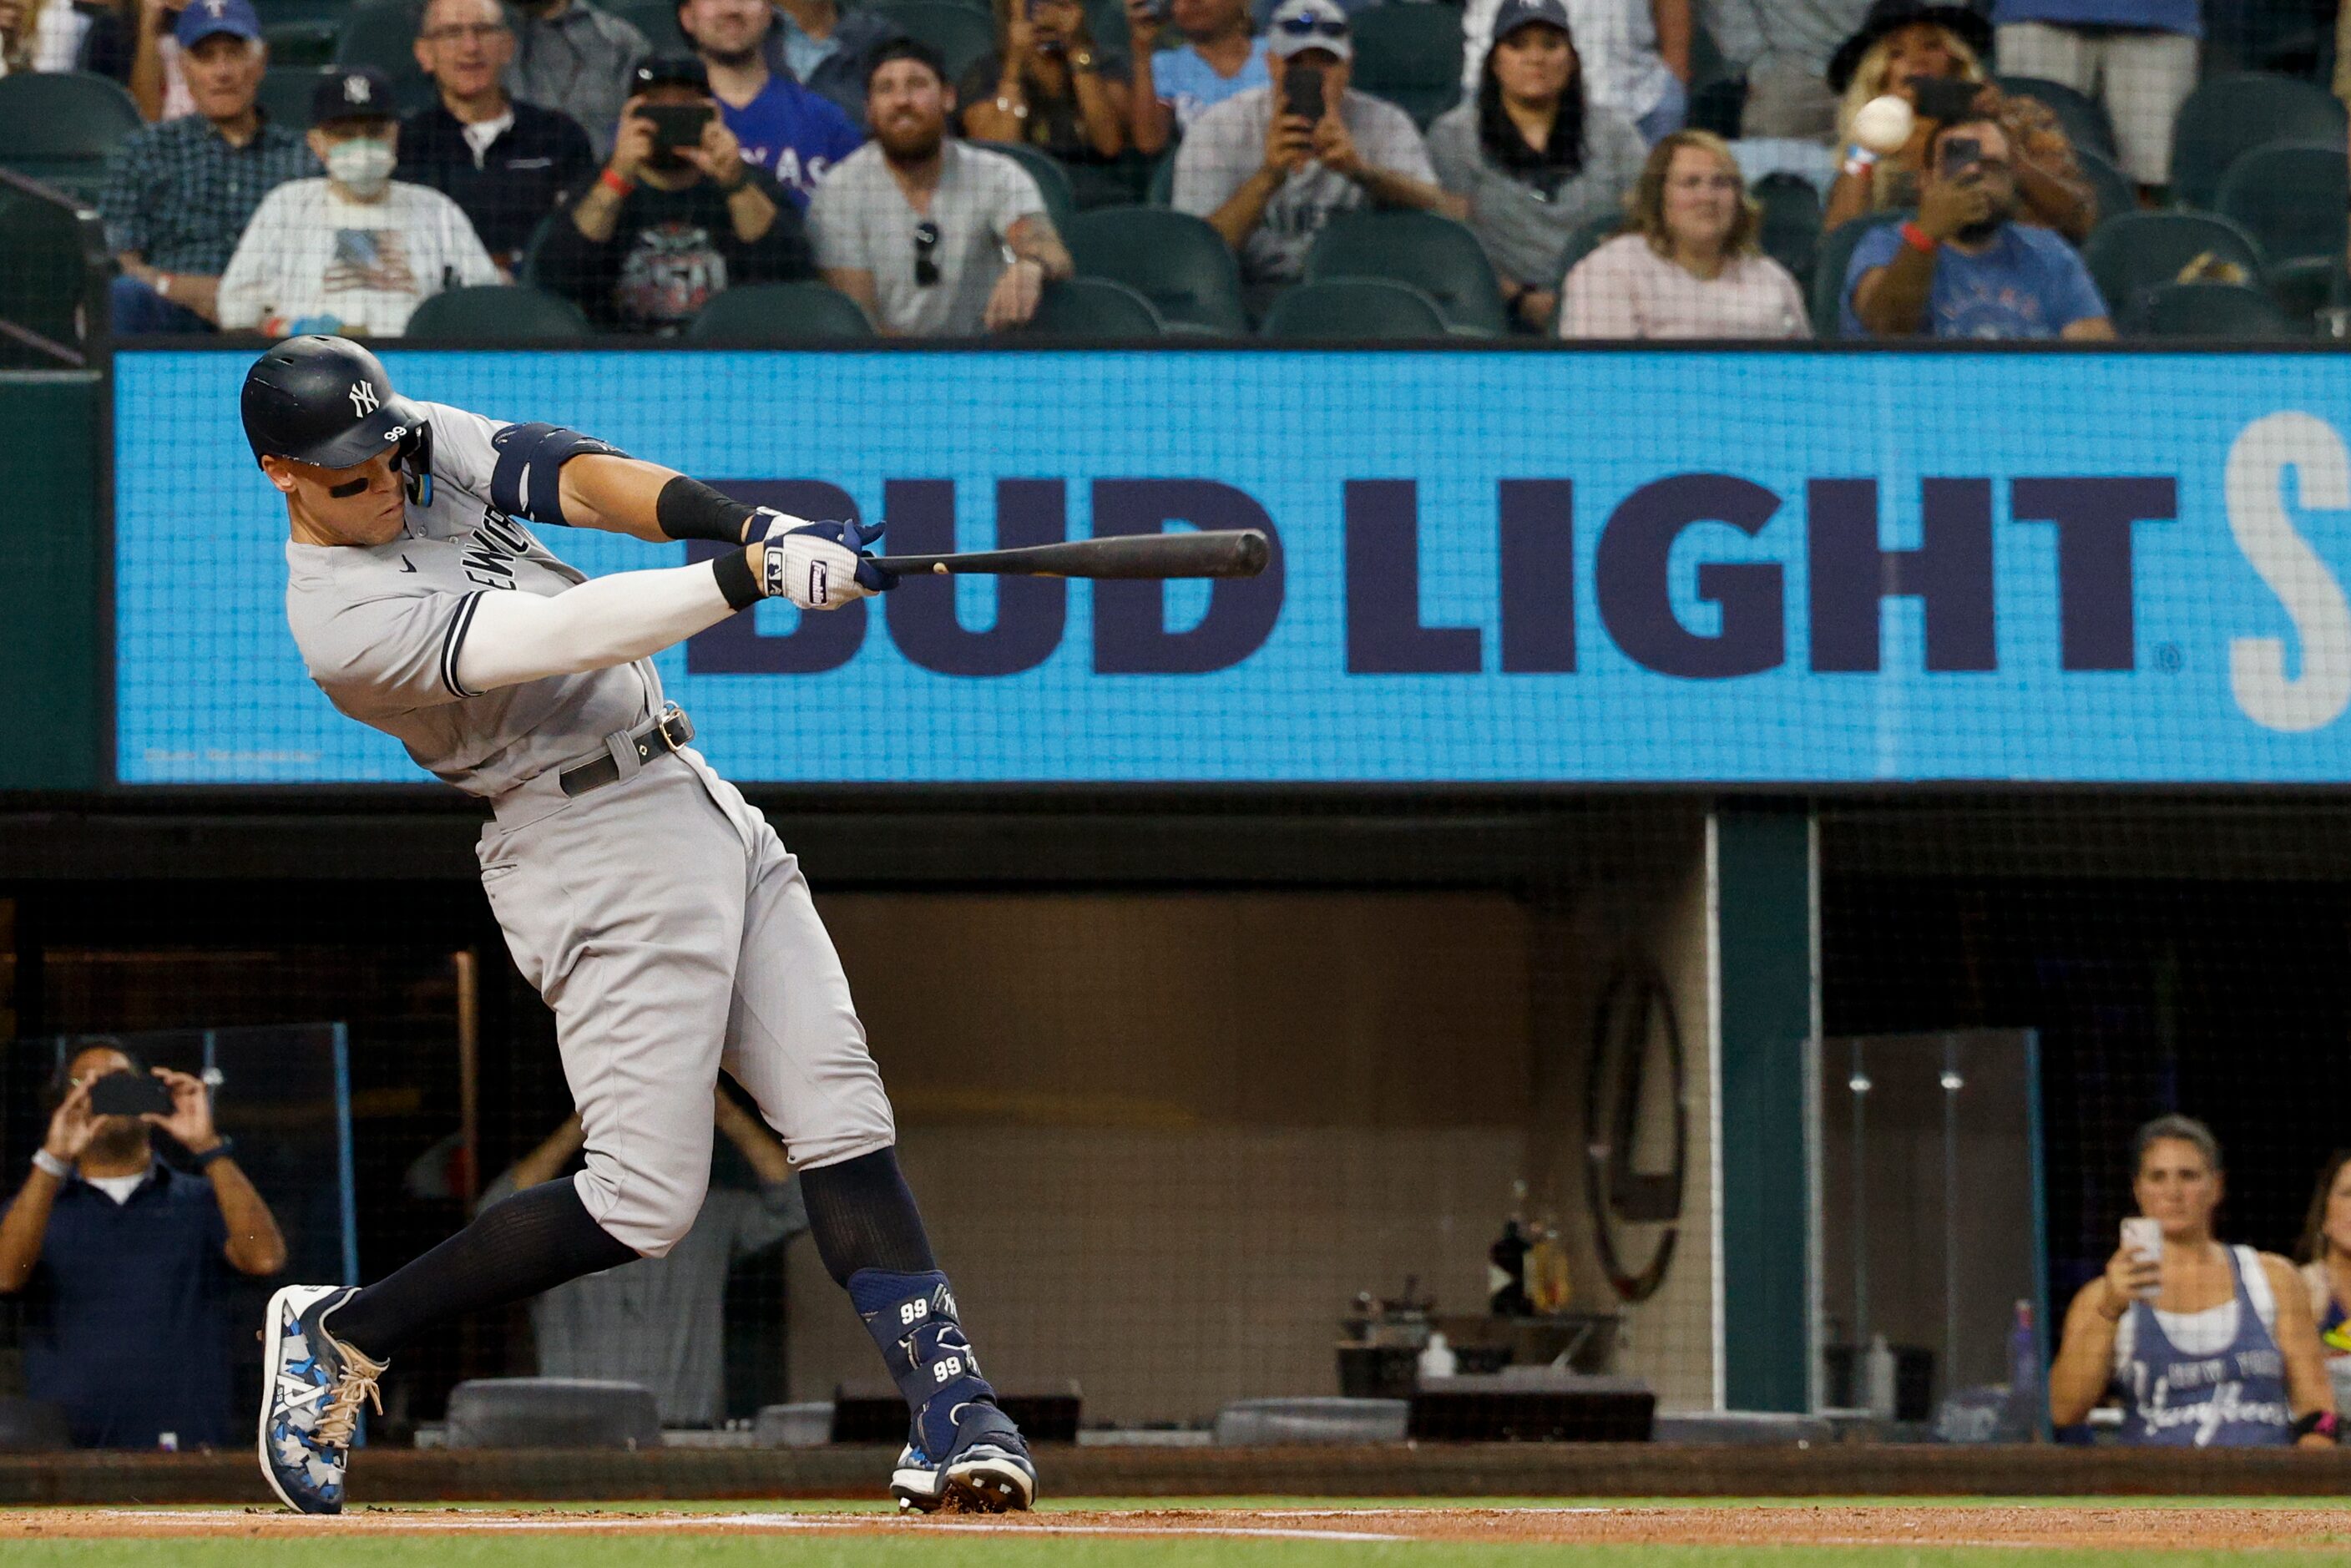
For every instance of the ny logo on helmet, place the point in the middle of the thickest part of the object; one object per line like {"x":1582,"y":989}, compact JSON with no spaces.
{"x":355,"y":89}
{"x":363,"y":400}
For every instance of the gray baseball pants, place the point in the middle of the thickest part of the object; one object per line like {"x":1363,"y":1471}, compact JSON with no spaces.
{"x":673,"y":933}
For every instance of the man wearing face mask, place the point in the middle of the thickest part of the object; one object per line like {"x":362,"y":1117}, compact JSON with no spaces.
{"x":356,"y":251}
{"x":1963,"y":267}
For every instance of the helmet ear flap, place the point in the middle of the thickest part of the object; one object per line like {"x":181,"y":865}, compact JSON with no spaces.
{"x":414,"y":458}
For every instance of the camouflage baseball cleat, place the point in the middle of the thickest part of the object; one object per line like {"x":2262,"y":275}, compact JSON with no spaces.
{"x":310,"y":1402}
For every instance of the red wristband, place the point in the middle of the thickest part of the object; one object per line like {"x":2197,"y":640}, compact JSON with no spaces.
{"x":614,"y":184}
{"x":1918,"y":239}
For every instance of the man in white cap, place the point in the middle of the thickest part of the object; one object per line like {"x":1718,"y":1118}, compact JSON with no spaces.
{"x":1270,"y":177}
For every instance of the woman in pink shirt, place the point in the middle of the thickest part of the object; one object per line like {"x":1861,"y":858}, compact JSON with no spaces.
{"x":1691,"y":267}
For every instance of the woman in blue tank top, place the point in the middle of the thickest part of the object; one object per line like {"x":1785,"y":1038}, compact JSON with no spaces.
{"x":2326,"y":1269}
{"x":2205,"y":1345}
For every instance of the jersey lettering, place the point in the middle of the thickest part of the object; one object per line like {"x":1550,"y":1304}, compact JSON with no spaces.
{"x":497,"y":544}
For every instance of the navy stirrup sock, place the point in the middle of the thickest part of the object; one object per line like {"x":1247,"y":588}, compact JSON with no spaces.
{"x":912,"y":1319}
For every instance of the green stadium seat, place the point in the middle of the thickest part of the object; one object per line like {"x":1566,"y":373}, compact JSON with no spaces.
{"x":382,"y":34}
{"x":60,"y":128}
{"x":1052,"y":179}
{"x":499,"y":313}
{"x":1094,"y":307}
{"x":2111,"y":191}
{"x":1790,"y":231}
{"x":656,"y":19}
{"x":961,"y":34}
{"x":1182,"y":266}
{"x":1590,"y":236}
{"x":2082,"y":118}
{"x":778,"y":315}
{"x":1828,"y":267}
{"x":2305,"y":287}
{"x":1410,"y":54}
{"x":2228,"y":116}
{"x":53,"y":282}
{"x":2290,"y":197}
{"x":2140,"y":251}
{"x":1434,"y":255}
{"x":1160,"y":191}
{"x":1356,"y":310}
{"x":285,"y":92}
{"x":308,"y":43}
{"x":2232,"y":311}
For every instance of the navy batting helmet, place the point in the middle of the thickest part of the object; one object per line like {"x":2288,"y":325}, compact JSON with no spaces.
{"x":327,"y":402}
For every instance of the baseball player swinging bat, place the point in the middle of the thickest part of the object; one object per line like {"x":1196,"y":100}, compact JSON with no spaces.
{"x":650,"y":904}
{"x":1229,"y":552}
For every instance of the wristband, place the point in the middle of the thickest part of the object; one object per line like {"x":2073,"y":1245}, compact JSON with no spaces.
{"x":217,"y":1151}
{"x":615,"y":184}
{"x":1918,"y":239}
{"x":736,"y":581}
{"x":690,"y":510}
{"x":1859,"y":159}
{"x":45,"y":1161}
{"x":2323,"y":1422}
{"x":162,"y":286}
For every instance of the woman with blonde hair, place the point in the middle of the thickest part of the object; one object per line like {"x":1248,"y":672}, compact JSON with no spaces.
{"x":1906,"y":49}
{"x":2326,"y":1269}
{"x":1691,"y":266}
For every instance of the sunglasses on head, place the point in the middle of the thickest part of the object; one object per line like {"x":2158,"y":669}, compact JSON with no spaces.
{"x":1314,"y":26}
{"x":926,"y":253}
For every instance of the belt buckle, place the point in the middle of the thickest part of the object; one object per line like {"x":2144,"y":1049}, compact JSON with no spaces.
{"x":673,"y":727}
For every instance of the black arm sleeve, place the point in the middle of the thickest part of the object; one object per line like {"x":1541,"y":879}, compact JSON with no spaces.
{"x":690,"y":510}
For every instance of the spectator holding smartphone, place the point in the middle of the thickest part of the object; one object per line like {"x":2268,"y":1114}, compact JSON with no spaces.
{"x":1931,"y":57}
{"x":1216,"y":56}
{"x":124,"y":1259}
{"x":1047,"y":85}
{"x":2207,"y":1346}
{"x":784,"y":128}
{"x":675,"y":217}
{"x":2326,"y":1271}
{"x":1271,"y":167}
{"x":1965,"y":267}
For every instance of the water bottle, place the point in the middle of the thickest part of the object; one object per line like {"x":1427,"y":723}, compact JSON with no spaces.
{"x":1877,"y":1377}
{"x":1436,"y":1357}
{"x":2024,"y":1401}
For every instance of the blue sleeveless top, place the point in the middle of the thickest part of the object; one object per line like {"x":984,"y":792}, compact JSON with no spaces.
{"x":2233,"y":1399}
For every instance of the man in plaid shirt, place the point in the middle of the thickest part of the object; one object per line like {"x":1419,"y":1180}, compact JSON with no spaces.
{"x":182,"y":192}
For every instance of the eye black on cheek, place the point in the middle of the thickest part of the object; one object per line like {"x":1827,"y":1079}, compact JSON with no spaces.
{"x":347,"y":489}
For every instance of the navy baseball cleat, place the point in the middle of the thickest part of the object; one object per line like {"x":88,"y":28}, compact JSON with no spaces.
{"x":987,"y":1470}
{"x":310,"y":1400}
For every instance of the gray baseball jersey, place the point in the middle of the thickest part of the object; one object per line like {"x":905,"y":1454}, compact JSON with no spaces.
{"x":380,"y":629}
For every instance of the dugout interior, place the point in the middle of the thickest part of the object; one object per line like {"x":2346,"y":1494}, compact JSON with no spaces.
{"x":1229,"y":1059}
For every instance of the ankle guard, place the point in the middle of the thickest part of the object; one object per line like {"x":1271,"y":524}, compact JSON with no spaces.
{"x":912,"y":1318}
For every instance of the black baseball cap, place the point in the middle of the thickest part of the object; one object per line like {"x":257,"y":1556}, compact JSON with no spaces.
{"x":358,"y":92}
{"x":1517,"y":13}
{"x":673,"y":70}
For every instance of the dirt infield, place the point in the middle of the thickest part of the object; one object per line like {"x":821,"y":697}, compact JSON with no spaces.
{"x":1891,"y":1524}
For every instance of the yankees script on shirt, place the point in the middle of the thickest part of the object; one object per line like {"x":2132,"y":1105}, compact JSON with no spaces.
{"x":379,"y":629}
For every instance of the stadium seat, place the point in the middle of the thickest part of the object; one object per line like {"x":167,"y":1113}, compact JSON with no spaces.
{"x":2290,"y":197}
{"x":960,"y":34}
{"x":382,"y":34}
{"x":1160,"y":190}
{"x":778,"y":315}
{"x":1173,"y":260}
{"x":306,"y":43}
{"x":2138,"y":251}
{"x":285,"y":94}
{"x":499,"y":313}
{"x":1828,"y":267}
{"x":1410,"y":54}
{"x":1094,"y":307}
{"x":1434,"y":255}
{"x":656,"y":19}
{"x":2228,"y":116}
{"x":1790,"y":233}
{"x":61,"y":127}
{"x":2236,"y":311}
{"x":551,"y":1413}
{"x":1052,"y":179}
{"x":2084,"y":118}
{"x":1356,"y":310}
{"x":54,"y":281}
{"x":1594,"y":233}
{"x":2111,"y":191}
{"x":32,"y":1427}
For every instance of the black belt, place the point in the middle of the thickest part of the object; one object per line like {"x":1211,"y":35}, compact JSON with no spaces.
{"x":669,"y":730}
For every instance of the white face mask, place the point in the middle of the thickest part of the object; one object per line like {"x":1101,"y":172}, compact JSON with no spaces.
{"x":362,"y":165}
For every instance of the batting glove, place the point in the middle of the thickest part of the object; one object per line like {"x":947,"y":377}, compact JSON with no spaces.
{"x":820,"y":566}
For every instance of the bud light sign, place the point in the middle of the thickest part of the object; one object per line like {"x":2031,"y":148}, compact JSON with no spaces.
{"x":1489,"y":567}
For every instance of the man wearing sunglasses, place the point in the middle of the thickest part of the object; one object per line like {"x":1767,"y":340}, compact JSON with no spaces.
{"x":934,"y":237}
{"x":1269,"y":175}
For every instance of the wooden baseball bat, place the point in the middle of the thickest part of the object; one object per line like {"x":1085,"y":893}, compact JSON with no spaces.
{"x":1228,"y":552}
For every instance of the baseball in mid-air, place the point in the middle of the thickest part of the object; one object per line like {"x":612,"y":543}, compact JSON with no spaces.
{"x":1883,"y":124}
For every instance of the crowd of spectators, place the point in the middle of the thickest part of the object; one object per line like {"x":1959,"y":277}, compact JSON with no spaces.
{"x":564,"y":147}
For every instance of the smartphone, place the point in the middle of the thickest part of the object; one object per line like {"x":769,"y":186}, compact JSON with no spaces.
{"x":1960,"y":154}
{"x":2144,"y":1239}
{"x":1301,"y":91}
{"x":129,"y":1095}
{"x":677,"y":125}
{"x":1941,"y":99}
